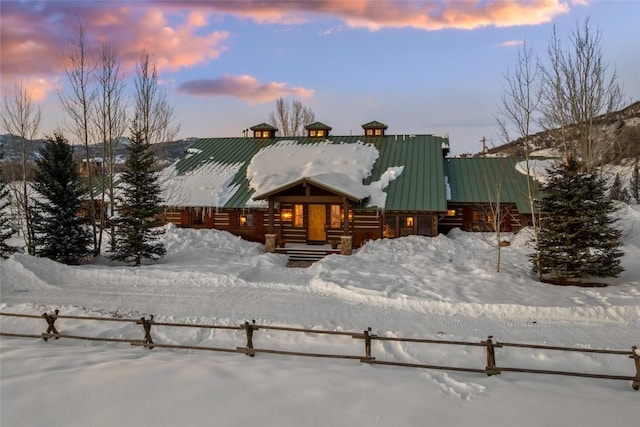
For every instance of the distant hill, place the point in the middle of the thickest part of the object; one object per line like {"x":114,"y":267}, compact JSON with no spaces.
{"x":167,"y":152}
{"x":621,"y":129}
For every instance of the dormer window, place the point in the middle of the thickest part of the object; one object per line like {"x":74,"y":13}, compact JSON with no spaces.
{"x":374,"y":129}
{"x":264,"y":131}
{"x":317,"y":130}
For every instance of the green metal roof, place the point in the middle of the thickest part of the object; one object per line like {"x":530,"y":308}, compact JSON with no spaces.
{"x":374,"y":125}
{"x":478,"y":180}
{"x":420,"y":187}
{"x":317,"y":125}
{"x":263,"y":126}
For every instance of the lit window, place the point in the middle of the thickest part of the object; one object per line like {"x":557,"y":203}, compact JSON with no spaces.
{"x":312,"y":133}
{"x":335,"y":216}
{"x":298,"y":218}
{"x":409,"y":221}
{"x":378,"y":132}
{"x":368,"y":132}
{"x":286,"y":215}
{"x":320,"y":133}
{"x":246,"y":220}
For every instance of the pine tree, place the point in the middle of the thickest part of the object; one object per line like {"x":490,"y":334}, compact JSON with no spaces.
{"x":6,"y":229}
{"x":635,"y":182}
{"x":59,"y":232}
{"x":137,"y":232}
{"x":577,"y":239}
{"x":617,"y":192}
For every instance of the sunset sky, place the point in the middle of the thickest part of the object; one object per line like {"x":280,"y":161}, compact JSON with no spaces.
{"x":418,"y":66}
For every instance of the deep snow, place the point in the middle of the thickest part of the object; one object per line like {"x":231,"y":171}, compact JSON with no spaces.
{"x":442,"y":288}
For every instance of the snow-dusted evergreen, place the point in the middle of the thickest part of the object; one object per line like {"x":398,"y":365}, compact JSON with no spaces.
{"x":137,"y":232}
{"x":577,"y":239}
{"x":60,"y":234}
{"x":6,"y":230}
{"x":635,"y":182}
{"x":618,"y":192}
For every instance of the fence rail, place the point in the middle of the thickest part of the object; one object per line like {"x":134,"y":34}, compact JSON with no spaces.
{"x":249,"y":328}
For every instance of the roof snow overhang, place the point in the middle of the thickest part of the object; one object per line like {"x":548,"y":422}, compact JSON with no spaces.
{"x":336,"y":183}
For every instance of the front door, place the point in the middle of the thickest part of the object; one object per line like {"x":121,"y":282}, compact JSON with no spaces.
{"x":317,"y":222}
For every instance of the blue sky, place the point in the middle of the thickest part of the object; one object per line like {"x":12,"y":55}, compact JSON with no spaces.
{"x":418,"y":66}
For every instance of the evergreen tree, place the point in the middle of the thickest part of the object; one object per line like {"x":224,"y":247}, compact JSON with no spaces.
{"x":617,"y":191}
{"x":577,"y":239}
{"x":137,"y":221}
{"x":6,"y":229}
{"x":635,"y":182}
{"x":59,"y":232}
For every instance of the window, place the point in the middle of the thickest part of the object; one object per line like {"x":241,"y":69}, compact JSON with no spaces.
{"x":368,"y":132}
{"x":197,"y":216}
{"x":246,"y":220}
{"x":406,"y":225}
{"x":378,"y":132}
{"x":389,"y":227}
{"x":335,"y":216}
{"x":320,"y":133}
{"x":312,"y":133}
{"x":298,"y":216}
{"x":286,"y":215}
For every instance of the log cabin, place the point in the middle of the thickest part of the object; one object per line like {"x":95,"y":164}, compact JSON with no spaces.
{"x":323,"y":189}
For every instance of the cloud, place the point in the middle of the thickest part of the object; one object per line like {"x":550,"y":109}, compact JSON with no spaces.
{"x":34,"y":36}
{"x":380,"y":14}
{"x":511,"y":43}
{"x":245,"y":87}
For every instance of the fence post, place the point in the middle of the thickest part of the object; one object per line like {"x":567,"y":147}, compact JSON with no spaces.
{"x":249,"y":328}
{"x":491,"y":357}
{"x":635,"y":355}
{"x":146,"y":324}
{"x":51,"y":320}
{"x":367,"y":343}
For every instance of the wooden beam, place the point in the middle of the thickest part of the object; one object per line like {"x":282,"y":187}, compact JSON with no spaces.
{"x":308,"y":199}
{"x":271,"y":229}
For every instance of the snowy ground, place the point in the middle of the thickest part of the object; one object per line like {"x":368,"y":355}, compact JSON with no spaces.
{"x":440,"y":288}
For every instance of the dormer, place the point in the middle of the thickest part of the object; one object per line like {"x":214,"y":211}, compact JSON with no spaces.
{"x":317,"y":130}
{"x":264,"y":131}
{"x":374,"y":129}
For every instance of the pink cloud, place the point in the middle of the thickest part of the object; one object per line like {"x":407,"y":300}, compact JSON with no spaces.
{"x":245,"y":87}
{"x":511,"y":43}
{"x":380,"y":14}
{"x":34,"y":36}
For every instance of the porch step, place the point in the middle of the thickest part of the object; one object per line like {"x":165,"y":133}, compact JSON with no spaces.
{"x":308,"y":255}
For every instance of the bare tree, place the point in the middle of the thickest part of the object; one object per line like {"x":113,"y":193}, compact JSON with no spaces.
{"x":21,"y":118}
{"x":154,"y":113}
{"x":110,"y":123}
{"x":78,"y":104}
{"x":517,"y":111}
{"x":291,"y":118}
{"x":577,"y":87}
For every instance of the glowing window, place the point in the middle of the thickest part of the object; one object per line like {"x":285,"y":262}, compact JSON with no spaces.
{"x":298,"y":216}
{"x":378,"y":132}
{"x":246,"y":220}
{"x":335,"y":216}
{"x":286,"y":215}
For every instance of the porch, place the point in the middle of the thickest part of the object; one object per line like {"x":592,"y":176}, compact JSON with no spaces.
{"x":305,"y":253}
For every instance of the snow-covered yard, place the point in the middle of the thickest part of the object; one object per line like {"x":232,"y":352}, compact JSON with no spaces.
{"x":436,"y":288}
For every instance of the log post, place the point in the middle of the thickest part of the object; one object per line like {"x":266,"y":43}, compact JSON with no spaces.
{"x":51,"y":320}
{"x":249,"y":328}
{"x":146,"y":324}
{"x":491,"y":357}
{"x":367,"y":344}
{"x":635,"y":355}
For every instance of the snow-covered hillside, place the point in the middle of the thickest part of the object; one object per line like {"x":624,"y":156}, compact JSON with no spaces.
{"x":443,"y":288}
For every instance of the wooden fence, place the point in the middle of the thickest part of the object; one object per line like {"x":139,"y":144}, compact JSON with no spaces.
{"x":248,"y":329}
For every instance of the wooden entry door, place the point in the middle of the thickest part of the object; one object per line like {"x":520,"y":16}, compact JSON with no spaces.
{"x":317,"y":221}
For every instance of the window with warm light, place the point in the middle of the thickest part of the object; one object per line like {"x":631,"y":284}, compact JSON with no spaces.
{"x":312,"y":133}
{"x":378,"y":132}
{"x":286,"y":215}
{"x":335,"y":216}
{"x":368,"y":132}
{"x":298,"y":216}
{"x":320,"y":133}
{"x":389,"y":228}
{"x":246,"y":220}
